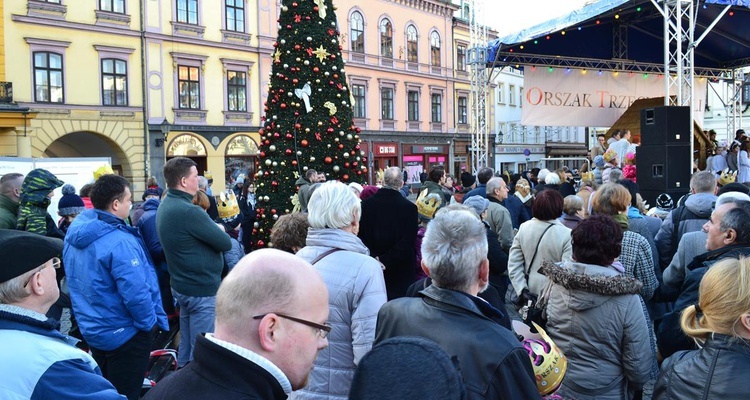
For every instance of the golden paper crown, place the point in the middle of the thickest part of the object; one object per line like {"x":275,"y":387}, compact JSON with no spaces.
{"x":427,"y":204}
{"x":208,"y":175}
{"x":227,"y":205}
{"x":587,"y":176}
{"x":103,"y":170}
{"x":727,"y":177}
{"x":548,"y":362}
{"x":609,"y":155}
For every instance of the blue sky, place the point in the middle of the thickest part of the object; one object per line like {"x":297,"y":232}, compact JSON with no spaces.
{"x":509,"y":16}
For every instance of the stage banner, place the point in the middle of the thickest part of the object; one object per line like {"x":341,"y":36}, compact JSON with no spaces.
{"x":573,"y":98}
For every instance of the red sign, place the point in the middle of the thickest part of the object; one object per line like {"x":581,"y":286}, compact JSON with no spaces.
{"x":385,"y":149}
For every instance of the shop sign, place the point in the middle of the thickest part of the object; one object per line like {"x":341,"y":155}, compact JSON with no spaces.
{"x":428,"y":149}
{"x":385,"y":149}
{"x":519,"y":150}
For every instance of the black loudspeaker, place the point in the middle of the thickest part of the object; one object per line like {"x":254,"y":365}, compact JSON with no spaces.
{"x":663,"y":169}
{"x":665,"y":125}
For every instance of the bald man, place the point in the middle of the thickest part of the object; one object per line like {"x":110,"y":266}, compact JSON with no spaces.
{"x":271,"y":313}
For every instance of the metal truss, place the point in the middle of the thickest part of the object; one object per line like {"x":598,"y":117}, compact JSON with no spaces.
{"x":620,"y":41}
{"x":477,"y":56}
{"x":734,"y":105}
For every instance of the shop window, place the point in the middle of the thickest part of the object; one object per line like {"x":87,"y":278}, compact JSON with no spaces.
{"x":239,"y":160}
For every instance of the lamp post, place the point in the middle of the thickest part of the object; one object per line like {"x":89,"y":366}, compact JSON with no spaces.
{"x":165,"y":128}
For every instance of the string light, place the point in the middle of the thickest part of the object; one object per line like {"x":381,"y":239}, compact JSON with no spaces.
{"x":600,"y":72}
{"x":547,"y":37}
{"x":567,"y":70}
{"x":533,"y":67}
{"x":550,"y":69}
{"x":562,"y":33}
{"x":731,"y":13}
{"x":598,"y":22}
{"x":583,"y":71}
{"x":615,"y":73}
{"x":536,"y":42}
{"x":521,"y":47}
{"x":645,"y":76}
{"x":639,"y":9}
{"x":617,"y":16}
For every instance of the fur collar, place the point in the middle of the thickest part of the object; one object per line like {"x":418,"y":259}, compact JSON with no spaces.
{"x":587,"y":278}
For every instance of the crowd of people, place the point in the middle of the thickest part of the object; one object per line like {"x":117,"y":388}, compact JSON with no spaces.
{"x":506,"y":286}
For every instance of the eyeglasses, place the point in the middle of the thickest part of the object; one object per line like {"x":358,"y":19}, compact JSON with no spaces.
{"x":323,"y":330}
{"x":55,"y":264}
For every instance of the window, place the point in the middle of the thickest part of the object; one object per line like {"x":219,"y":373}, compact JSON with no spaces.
{"x":386,"y":38}
{"x":48,"y":77}
{"x":115,"y":6}
{"x":413,"y":105}
{"x":520,"y":96}
{"x":114,"y":82}
{"x":436,"y":101}
{"x":188,"y":83}
{"x":357,"y":32}
{"x":463,"y":108}
{"x":500,"y":93}
{"x":236,"y":91}
{"x":358,"y":91}
{"x":235,"y":14}
{"x":411,"y":44}
{"x":187,"y":11}
{"x":512,"y":95}
{"x":435,"y":48}
{"x":461,"y":57}
{"x":386,"y":102}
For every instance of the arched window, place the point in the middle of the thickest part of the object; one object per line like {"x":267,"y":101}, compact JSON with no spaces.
{"x":357,"y":32}
{"x":386,"y":38}
{"x":411,"y":44}
{"x":435,"y":48}
{"x":186,"y":145}
{"x":240,"y":158}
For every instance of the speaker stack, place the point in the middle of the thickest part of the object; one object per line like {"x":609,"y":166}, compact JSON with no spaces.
{"x":663,"y":159}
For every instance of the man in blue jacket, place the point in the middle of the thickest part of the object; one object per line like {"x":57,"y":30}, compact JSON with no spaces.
{"x":36,"y":360}
{"x":113,"y":286}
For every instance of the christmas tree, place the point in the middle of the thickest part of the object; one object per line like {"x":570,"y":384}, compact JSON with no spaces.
{"x":308,"y":114}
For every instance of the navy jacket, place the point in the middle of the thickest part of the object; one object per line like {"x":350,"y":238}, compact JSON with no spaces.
{"x":518,"y":212}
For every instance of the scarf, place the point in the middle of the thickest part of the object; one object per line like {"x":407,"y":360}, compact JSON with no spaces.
{"x":622,"y":220}
{"x":523,"y":198}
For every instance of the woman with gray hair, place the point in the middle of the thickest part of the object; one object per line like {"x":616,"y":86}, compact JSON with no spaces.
{"x":355,"y":285}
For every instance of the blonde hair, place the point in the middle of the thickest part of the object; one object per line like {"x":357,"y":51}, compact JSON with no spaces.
{"x":724,"y":297}
{"x":611,"y":199}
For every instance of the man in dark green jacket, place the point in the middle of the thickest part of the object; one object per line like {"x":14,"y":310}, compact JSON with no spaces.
{"x":10,"y":196}
{"x":193,"y":245}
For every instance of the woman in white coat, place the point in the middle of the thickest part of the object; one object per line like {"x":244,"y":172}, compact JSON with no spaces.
{"x":743,"y":163}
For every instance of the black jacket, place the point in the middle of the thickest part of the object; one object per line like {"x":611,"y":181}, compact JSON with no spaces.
{"x":714,"y":372}
{"x":217,"y":373}
{"x":492,"y":361}
{"x":669,"y":335}
{"x":388,"y":228}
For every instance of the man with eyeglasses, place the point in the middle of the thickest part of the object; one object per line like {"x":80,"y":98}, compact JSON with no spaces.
{"x":113,"y":285}
{"x":36,"y":360}
{"x":271,"y":313}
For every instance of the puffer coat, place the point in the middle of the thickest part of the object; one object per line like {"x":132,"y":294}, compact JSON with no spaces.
{"x":356,"y":291}
{"x":595,"y":317}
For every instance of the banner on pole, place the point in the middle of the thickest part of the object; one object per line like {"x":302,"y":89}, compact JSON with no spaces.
{"x":572,"y":97}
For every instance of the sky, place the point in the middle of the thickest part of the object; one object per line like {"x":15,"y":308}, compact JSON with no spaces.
{"x":510,"y":16}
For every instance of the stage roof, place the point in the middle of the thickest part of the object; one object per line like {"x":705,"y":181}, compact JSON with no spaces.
{"x":591,"y":37}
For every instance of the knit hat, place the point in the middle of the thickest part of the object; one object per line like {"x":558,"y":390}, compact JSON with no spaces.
{"x":70,"y":204}
{"x":427,"y":204}
{"x":229,"y":210}
{"x":664,"y":202}
{"x":406,"y":367}
{"x":22,"y":251}
{"x":610,"y":155}
{"x":477,"y":204}
{"x":599,"y":161}
{"x":151,"y":192}
{"x":467,"y":179}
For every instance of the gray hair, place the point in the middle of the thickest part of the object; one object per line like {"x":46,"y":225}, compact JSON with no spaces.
{"x":552,"y":178}
{"x":202,"y":182}
{"x":9,"y":182}
{"x":572,"y":204}
{"x":393,"y":178}
{"x":493,"y":184}
{"x":12,"y":291}
{"x":615,"y":175}
{"x":703,"y":182}
{"x":730,"y":197}
{"x":454,"y":246}
{"x":333,"y":205}
{"x":738,"y":218}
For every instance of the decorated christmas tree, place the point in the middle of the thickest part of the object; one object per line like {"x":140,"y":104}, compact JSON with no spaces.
{"x":308,"y":114}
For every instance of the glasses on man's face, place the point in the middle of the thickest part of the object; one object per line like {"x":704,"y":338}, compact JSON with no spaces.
{"x":55,"y":264}
{"x":323,"y":330}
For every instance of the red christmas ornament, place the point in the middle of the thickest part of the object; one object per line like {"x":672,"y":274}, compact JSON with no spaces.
{"x":283,"y":106}
{"x":304,"y":143}
{"x":273,"y":211}
{"x":274,"y":183}
{"x":294,"y":4}
{"x":288,"y":27}
{"x":261,"y":243}
{"x":297,"y":47}
{"x":262,"y":154}
{"x":335,"y":76}
{"x":346,"y":165}
{"x":294,"y":162}
{"x":288,"y":152}
{"x":276,"y":135}
{"x":296,"y":114}
{"x":295,"y":81}
{"x":357,"y":129}
{"x":289,"y":136}
{"x":331,"y":32}
{"x":341,"y":146}
{"x":298,"y":126}
{"x":329,"y":130}
{"x":267,"y":142}
{"x":316,"y":69}
{"x":328,"y":160}
{"x":345,"y":177}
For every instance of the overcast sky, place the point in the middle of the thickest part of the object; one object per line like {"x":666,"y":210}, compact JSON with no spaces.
{"x":510,"y":16}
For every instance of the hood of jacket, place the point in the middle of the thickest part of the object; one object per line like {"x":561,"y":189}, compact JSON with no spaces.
{"x":90,"y":225}
{"x":301,"y":181}
{"x":588,"y":286}
{"x":151,"y":205}
{"x":336,"y":238}
{"x":701,"y":204}
{"x":37,"y":185}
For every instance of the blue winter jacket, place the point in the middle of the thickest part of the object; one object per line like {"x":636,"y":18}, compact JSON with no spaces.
{"x":111,"y":279}
{"x":147,"y":228}
{"x":37,"y":362}
{"x":518,"y":212}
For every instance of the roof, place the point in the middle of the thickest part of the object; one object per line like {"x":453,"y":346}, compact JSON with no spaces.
{"x":588,"y":36}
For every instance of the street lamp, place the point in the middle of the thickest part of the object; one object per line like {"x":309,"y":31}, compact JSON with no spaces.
{"x":165,"y":128}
